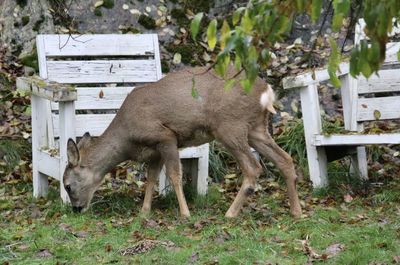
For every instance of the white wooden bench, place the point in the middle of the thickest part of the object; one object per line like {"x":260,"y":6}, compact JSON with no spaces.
{"x":362,"y":99}
{"x":83,"y":82}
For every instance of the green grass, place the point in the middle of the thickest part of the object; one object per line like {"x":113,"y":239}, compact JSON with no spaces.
{"x":368,"y":227}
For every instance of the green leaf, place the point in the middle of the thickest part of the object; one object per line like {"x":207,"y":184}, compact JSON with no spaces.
{"x":225,"y":34}
{"x":238,"y":62}
{"x":212,"y":34}
{"x":229,"y":84}
{"x":195,"y":25}
{"x":377,"y":114}
{"x":236,"y":15}
{"x":246,"y":84}
{"x":247,"y":22}
{"x":398,"y":55}
{"x":316,"y":7}
{"x":333,"y":63}
{"x":195,"y":93}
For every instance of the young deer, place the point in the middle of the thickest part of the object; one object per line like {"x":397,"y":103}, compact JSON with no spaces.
{"x":159,"y":118}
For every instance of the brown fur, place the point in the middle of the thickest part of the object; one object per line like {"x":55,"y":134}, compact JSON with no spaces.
{"x":157,"y":119}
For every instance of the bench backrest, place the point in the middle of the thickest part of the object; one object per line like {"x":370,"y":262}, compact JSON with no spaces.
{"x":103,"y":67}
{"x":376,"y":100}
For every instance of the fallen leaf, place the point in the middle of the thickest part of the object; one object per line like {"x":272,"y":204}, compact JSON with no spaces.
{"x":81,"y":234}
{"x":334,"y":249}
{"x":44,"y":253}
{"x":396,"y":259}
{"x":65,"y":227}
{"x":194,"y":257}
{"x":347,"y":198}
{"x":149,"y":223}
{"x":177,"y":58}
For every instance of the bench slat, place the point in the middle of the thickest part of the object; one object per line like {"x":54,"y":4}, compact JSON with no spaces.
{"x":89,"y":98}
{"x":99,"y":45}
{"x":95,"y":124}
{"x":388,"y":108}
{"x":387,"y":81}
{"x":102,"y":71}
{"x":356,"y":139}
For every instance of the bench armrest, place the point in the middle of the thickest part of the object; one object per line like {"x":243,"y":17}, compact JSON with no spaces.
{"x":47,"y":89}
{"x":313,"y":77}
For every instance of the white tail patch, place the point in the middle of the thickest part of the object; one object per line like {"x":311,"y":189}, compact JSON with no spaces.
{"x":267,"y":100}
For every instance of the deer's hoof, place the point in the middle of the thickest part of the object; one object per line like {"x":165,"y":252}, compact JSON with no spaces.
{"x":296,"y":213}
{"x":230,"y":214}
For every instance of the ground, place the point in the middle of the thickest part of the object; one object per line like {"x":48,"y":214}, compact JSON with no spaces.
{"x":348,"y":223}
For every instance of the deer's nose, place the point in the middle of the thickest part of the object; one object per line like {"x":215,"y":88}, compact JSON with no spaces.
{"x":77,"y":209}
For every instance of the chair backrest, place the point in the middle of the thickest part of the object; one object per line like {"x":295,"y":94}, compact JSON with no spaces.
{"x":377,"y":99}
{"x":103,"y":67}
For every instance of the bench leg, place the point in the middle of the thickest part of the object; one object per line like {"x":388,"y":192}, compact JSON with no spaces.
{"x":316,"y":156}
{"x":202,"y":171}
{"x":163,"y":182}
{"x":359,"y":165}
{"x":39,"y":139}
{"x":40,"y":184}
{"x":67,"y":130}
{"x":317,"y":166}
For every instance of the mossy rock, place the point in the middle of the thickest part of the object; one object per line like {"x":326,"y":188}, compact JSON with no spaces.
{"x":22,"y":3}
{"x":164,"y":66}
{"x":147,"y":22}
{"x":180,"y":16}
{"x":190,"y":52}
{"x":129,"y":30}
{"x":31,"y":60}
{"x":38,"y":23}
{"x":97,"y":12}
{"x":25,"y":20}
{"x":108,"y":4}
{"x":198,"y":5}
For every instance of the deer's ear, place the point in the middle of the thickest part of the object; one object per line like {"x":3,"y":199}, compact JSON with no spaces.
{"x":84,"y":142}
{"x":72,"y":153}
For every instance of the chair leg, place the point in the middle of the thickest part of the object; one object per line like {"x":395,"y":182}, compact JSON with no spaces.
{"x":359,"y":165}
{"x":163,"y":185}
{"x":39,"y":139}
{"x":40,"y":184}
{"x":202,"y":171}
{"x":318,"y":166}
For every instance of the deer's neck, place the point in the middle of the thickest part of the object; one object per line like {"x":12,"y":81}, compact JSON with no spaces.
{"x":108,"y":151}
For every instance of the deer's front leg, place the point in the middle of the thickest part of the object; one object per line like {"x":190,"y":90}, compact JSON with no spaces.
{"x":153,"y":172}
{"x":170,"y":154}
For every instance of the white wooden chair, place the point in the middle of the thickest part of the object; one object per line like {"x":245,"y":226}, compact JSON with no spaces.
{"x":83,"y":82}
{"x":362,"y":99}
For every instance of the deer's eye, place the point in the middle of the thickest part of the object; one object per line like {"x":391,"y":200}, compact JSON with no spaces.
{"x":68,"y":188}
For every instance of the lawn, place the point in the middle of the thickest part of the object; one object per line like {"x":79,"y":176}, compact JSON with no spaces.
{"x":345,"y":224}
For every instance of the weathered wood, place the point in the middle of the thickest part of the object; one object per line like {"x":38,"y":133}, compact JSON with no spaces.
{"x":387,"y":81}
{"x":65,"y":45}
{"x":67,"y":131}
{"x":102,"y":71}
{"x":382,"y":108}
{"x":99,"y":98}
{"x":317,"y":160}
{"x":313,"y":77}
{"x":356,"y":139}
{"x":88,"y":59}
{"x":47,"y":89}
{"x":95,"y":124}
{"x":39,"y":139}
{"x":49,"y":164}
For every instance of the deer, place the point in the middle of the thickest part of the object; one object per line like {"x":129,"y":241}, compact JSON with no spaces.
{"x":157,"y":119}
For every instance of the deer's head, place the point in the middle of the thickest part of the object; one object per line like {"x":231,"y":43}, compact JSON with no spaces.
{"x":80,"y":180}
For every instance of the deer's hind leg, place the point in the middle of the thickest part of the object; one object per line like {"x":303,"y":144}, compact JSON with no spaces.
{"x":236,"y":141}
{"x":262,"y":141}
{"x":153,"y":171}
